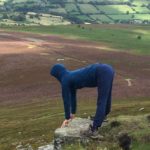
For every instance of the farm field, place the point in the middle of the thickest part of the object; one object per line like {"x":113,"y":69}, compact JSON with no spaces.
{"x":142,"y":16}
{"x":143,"y":10}
{"x":87,"y":9}
{"x":130,"y":38}
{"x":74,"y":11}
{"x":115,"y":9}
{"x":45,"y":19}
{"x":71,"y":8}
{"x":30,"y":99}
{"x":140,"y":3}
{"x":2,"y":2}
{"x":121,"y":17}
{"x":101,"y":18}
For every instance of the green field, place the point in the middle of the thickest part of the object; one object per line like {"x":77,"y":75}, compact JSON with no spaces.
{"x":124,"y":38}
{"x":121,"y":17}
{"x":85,"y":18}
{"x":143,"y":10}
{"x":115,"y":9}
{"x":142,"y":16}
{"x":58,"y":10}
{"x":87,"y":8}
{"x":71,"y":10}
{"x":101,"y":18}
{"x":34,"y":122}
{"x":21,"y":1}
{"x":140,"y":3}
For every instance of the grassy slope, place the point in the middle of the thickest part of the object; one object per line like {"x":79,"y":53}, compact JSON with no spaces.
{"x":35,"y":122}
{"x":122,"y":38}
{"x":137,"y":128}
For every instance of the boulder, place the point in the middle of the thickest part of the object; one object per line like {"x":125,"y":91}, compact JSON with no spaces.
{"x":74,"y":132}
{"x":75,"y":129}
{"x":47,"y":147}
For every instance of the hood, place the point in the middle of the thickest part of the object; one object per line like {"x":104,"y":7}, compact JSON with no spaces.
{"x":58,"y":70}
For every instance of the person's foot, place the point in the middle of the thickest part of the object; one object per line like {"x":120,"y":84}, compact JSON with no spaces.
{"x":93,"y":133}
{"x":105,"y":120}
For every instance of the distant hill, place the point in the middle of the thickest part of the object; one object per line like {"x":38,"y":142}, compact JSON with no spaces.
{"x":48,"y":12}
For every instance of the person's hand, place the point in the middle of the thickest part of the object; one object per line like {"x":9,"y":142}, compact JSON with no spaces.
{"x":65,"y":123}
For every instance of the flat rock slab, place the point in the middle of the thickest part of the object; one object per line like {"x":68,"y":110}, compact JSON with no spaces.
{"x":47,"y":147}
{"x":70,"y":134}
{"x":75,"y":129}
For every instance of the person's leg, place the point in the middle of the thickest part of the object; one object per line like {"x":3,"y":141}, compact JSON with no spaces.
{"x":73,"y":102}
{"x":105,"y":75}
{"x":108,"y":105}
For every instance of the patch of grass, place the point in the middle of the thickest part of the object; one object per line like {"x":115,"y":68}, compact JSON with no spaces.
{"x":34,"y":122}
{"x":87,"y":8}
{"x":123,"y":135}
{"x":71,"y":8}
{"x":102,"y":18}
{"x":140,"y":146}
{"x":141,"y":9}
{"x":124,"y":39}
{"x":121,"y":17}
{"x":115,"y":9}
{"x":142,"y":16}
{"x":58,"y":10}
{"x":115,"y":124}
{"x":140,"y":3}
{"x":84,"y":18}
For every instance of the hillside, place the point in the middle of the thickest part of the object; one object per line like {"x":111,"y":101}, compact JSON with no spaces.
{"x":118,"y":133}
{"x":31,"y":107}
{"x":47,"y":12}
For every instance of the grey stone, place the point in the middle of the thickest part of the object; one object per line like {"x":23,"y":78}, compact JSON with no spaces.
{"x":26,"y":147}
{"x":75,"y":129}
{"x":47,"y":147}
{"x":74,"y":132}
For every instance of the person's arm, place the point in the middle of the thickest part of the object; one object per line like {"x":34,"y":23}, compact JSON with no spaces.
{"x":66,"y":94}
{"x":73,"y":103}
{"x":69,"y":98}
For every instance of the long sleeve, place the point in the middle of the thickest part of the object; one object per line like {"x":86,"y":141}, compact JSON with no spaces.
{"x":73,"y":101}
{"x":66,"y":94}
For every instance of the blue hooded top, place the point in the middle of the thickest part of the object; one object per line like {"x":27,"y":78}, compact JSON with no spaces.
{"x":73,"y":80}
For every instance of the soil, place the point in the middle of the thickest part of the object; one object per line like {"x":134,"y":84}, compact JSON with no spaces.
{"x":26,"y":59}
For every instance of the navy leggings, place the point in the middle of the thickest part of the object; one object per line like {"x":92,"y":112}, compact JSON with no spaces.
{"x":105,"y":75}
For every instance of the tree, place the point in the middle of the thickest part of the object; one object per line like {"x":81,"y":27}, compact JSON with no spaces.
{"x":18,"y":17}
{"x":127,"y":12}
{"x":5,"y":16}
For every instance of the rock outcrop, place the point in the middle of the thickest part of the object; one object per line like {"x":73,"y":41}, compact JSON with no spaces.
{"x":115,"y":133}
{"x":75,"y":131}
